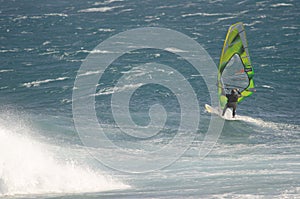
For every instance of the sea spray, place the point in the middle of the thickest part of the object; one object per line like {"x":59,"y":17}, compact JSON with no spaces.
{"x":28,"y":166}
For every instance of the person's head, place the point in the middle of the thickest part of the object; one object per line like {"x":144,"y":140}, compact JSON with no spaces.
{"x":235,"y":91}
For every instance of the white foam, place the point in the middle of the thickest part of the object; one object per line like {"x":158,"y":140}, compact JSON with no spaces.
{"x":106,"y":2}
{"x":46,"y":43}
{"x":6,"y":70}
{"x":108,"y":91}
{"x":28,"y":166}
{"x":38,"y":83}
{"x":9,"y":50}
{"x":106,"y":30}
{"x":90,"y":73}
{"x":267,"y":86}
{"x":57,"y":14}
{"x":3,"y":87}
{"x":267,"y":124}
{"x":201,"y":14}
{"x":105,"y":91}
{"x":100,"y":9}
{"x":277,"y":70}
{"x":253,"y":23}
{"x":281,"y":5}
{"x":225,"y":18}
{"x":290,"y":27}
{"x":269,"y":47}
{"x":256,"y":121}
{"x":174,"y":50}
{"x":96,"y":51}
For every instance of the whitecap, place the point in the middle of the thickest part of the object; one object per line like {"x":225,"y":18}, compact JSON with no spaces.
{"x":253,"y":23}
{"x":105,"y":91}
{"x":65,"y":101}
{"x":38,"y":83}
{"x":281,"y":5}
{"x":106,"y":2}
{"x":3,"y":87}
{"x":101,"y":9}
{"x":226,"y":18}
{"x":106,"y":30}
{"x":57,"y":14}
{"x":9,"y":50}
{"x":20,"y":17}
{"x":277,"y":70}
{"x":267,"y":86}
{"x":169,"y":6}
{"x":95,"y":51}
{"x":290,"y":34}
{"x":290,"y":27}
{"x":202,"y":14}
{"x":174,"y":50}
{"x":6,"y":70}
{"x":36,"y":17}
{"x":89,"y":73}
{"x":49,"y":52}
{"x":112,"y":90}
{"x":269,"y":47}
{"x":125,"y":10}
{"x":151,"y":18}
{"x":46,"y":43}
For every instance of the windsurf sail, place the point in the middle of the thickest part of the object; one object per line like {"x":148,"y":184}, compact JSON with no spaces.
{"x":235,"y":69}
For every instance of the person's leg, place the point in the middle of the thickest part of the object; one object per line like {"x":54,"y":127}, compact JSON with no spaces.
{"x":233,"y":110}
{"x":224,"y":110}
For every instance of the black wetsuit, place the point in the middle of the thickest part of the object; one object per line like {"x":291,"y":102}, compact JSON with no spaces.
{"x":232,"y":102}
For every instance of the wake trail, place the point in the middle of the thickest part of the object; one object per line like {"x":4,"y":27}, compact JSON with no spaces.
{"x":256,"y":121}
{"x":267,"y":124}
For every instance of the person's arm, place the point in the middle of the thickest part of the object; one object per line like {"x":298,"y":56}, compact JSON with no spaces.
{"x":239,"y":94}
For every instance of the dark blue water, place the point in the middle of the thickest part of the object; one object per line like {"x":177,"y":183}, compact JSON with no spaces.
{"x":42,"y":46}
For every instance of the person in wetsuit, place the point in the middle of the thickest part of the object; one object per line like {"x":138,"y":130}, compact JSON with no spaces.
{"x":232,"y":101}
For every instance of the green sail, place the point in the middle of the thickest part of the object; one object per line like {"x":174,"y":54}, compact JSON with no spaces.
{"x":235,"y":69}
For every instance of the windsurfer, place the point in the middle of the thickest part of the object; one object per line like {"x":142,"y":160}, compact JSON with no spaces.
{"x":232,"y":101}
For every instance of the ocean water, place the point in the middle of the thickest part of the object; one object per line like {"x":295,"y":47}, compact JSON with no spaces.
{"x":43,"y":154}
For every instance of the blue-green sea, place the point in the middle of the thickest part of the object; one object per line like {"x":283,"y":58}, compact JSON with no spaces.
{"x":44,"y":45}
